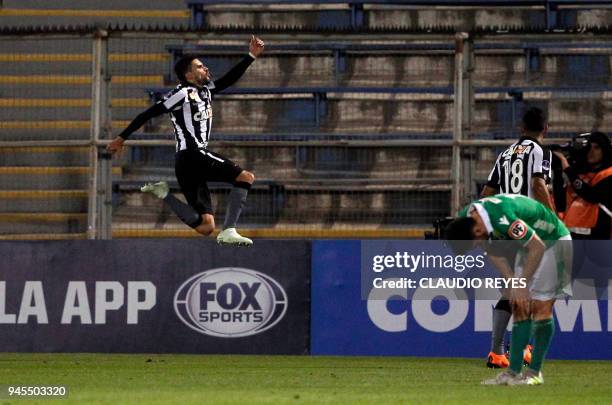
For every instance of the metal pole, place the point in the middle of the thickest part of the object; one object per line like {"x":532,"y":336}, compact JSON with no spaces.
{"x":92,"y":206}
{"x":105,"y":185}
{"x":456,"y":192}
{"x":468,"y":157}
{"x":95,"y":130}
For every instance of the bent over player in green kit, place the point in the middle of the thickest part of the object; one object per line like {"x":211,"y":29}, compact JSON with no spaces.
{"x":544,"y":262}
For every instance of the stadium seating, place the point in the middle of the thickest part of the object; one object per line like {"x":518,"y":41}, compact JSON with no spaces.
{"x":317,"y":119}
{"x":269,"y":106}
{"x":45,"y":94}
{"x":405,"y":14}
{"x":23,"y":13}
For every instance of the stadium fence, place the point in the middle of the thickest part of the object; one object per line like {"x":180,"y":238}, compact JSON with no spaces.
{"x":347,"y":137}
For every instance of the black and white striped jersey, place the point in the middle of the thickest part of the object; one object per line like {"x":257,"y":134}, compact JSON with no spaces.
{"x":190,"y":111}
{"x":518,"y":165}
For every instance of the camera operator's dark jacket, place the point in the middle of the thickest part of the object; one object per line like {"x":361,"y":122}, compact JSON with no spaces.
{"x":589,"y":204}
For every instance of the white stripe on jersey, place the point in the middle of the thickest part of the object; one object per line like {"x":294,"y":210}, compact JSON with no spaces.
{"x":189,"y":125}
{"x":538,"y":157}
{"x":203,"y":125}
{"x":182,"y":143}
{"x":534,"y":164}
{"x":175,"y":99}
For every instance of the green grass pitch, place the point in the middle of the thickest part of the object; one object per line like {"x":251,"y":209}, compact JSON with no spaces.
{"x":230,"y":379}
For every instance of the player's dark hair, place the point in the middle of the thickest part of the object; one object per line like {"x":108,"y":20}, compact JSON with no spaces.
{"x":534,"y":120}
{"x":459,"y":233}
{"x":181,"y":67}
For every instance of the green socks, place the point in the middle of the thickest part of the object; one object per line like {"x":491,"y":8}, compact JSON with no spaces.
{"x":543,"y":332}
{"x":521,"y":332}
{"x":542,"y":336}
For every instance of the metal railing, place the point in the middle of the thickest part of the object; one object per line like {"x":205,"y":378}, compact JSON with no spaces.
{"x":343,"y":174}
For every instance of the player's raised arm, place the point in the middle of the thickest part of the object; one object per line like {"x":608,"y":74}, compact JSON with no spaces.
{"x":256,"y":47}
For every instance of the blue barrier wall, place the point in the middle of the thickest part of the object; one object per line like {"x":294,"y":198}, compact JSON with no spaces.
{"x":345,"y":324}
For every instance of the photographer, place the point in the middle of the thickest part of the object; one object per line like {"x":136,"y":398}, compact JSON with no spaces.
{"x":588,"y":205}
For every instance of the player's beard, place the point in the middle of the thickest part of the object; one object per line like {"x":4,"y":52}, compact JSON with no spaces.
{"x":203,"y":81}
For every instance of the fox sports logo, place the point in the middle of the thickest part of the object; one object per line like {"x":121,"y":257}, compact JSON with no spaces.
{"x":230,"y":302}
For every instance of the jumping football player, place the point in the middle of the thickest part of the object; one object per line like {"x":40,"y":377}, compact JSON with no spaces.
{"x":189,"y":106}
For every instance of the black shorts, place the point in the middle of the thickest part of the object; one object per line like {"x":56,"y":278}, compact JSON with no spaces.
{"x":194,"y":168}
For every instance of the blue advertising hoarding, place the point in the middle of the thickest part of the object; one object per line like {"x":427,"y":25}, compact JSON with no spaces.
{"x":345,"y":322}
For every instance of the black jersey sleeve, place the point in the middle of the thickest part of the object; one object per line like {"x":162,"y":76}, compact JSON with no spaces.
{"x":232,"y":76}
{"x":152,"y":112}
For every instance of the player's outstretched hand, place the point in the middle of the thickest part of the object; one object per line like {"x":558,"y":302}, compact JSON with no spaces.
{"x":256,"y":46}
{"x":116,"y":145}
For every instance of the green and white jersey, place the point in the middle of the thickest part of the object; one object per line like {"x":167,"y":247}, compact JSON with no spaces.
{"x":516,"y":217}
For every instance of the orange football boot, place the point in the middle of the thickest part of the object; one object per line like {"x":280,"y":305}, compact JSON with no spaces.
{"x":497,"y":361}
{"x":527,"y":355}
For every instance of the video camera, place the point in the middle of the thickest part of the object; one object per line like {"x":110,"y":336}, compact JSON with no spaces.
{"x":439,"y":225}
{"x":576,"y":151}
